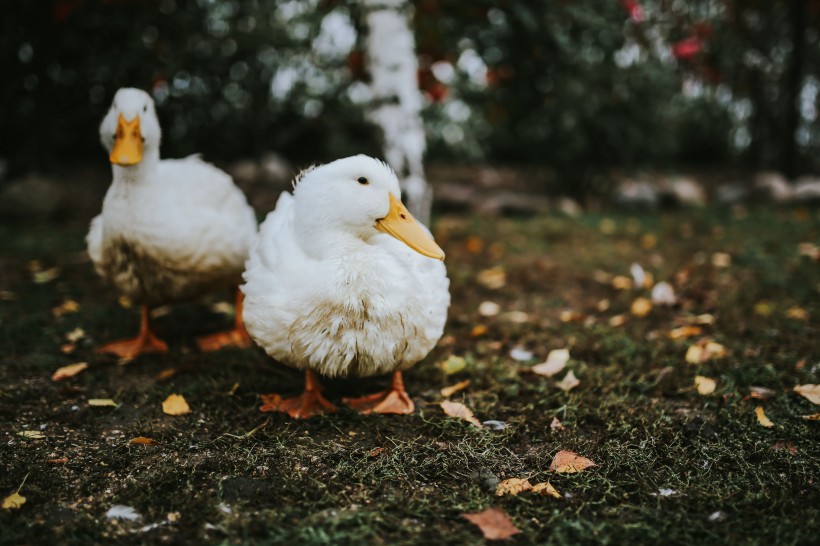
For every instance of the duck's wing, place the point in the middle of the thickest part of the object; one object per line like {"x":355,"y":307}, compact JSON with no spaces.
{"x":94,"y":241}
{"x":275,"y":252}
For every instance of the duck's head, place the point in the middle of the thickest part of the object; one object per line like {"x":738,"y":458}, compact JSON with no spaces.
{"x":361,"y":196}
{"x":130,"y":127}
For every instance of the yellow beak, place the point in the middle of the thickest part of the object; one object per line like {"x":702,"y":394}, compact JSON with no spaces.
{"x":127,"y":143}
{"x":400,"y":224}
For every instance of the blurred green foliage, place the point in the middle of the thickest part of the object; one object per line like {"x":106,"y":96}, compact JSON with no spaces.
{"x":582,"y":85}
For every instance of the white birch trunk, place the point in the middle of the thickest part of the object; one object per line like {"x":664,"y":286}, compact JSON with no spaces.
{"x":396,"y":106}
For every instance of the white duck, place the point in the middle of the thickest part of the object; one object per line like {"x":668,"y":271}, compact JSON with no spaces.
{"x":343,"y":281}
{"x":169,"y":230}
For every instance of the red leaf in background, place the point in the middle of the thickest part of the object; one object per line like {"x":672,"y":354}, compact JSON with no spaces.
{"x":635,"y":10}
{"x":688,"y":48}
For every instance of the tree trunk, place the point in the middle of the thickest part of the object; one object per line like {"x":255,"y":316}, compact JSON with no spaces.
{"x":794,"y":83}
{"x":396,"y":99}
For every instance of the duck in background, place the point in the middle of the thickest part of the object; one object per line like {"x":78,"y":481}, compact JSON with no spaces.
{"x":343,"y":281}
{"x":170,"y":230}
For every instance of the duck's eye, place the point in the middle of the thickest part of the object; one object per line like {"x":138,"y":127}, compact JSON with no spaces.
{"x":363,"y":181}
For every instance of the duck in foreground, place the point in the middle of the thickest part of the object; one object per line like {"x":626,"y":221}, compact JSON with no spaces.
{"x":343,"y":281}
{"x":169,"y":230}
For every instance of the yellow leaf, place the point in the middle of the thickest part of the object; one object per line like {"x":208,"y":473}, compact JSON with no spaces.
{"x":43,"y":277}
{"x":68,"y":306}
{"x":453,"y":364}
{"x":812,"y":417}
{"x":762,"y":419}
{"x":125,"y":302}
{"x":478,"y":330}
{"x":685,"y":331}
{"x":69,"y":371}
{"x":703,"y":351}
{"x":451,"y":390}
{"x":460,"y":411}
{"x":75,"y":335}
{"x":764,"y":308}
{"x":617,"y":320}
{"x":721,"y":259}
{"x":809,"y":392}
{"x":641,"y":307}
{"x":32,"y":434}
{"x":175,"y":404}
{"x":13,"y":501}
{"x":102,"y":402}
{"x":546,"y":489}
{"x":142,"y":440}
{"x":622,"y":283}
{"x":512,"y":486}
{"x":569,"y":382}
{"x":556,"y":361}
{"x":494,"y":524}
{"x":567,"y":462}
{"x":705,"y":385}
{"x":493,"y":278}
{"x":797,"y":313}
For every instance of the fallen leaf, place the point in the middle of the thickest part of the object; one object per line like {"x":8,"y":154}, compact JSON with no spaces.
{"x":75,"y":335}
{"x":102,"y":402}
{"x":493,"y":278}
{"x":649,"y":240}
{"x":809,"y":250}
{"x":518,"y":317}
{"x":641,"y":307}
{"x":520,"y":354}
{"x":602,"y":305}
{"x":15,"y":500}
{"x":638,"y":274}
{"x":460,"y":411}
{"x":721,"y":259}
{"x":546,"y":489}
{"x":142,"y":440}
{"x":512,"y":486}
{"x":764,"y":308}
{"x":703,"y":351}
{"x":663,"y":294}
{"x":223,"y":308}
{"x":494,"y":524}
{"x":119,"y":511}
{"x":784,"y":446}
{"x":569,"y":382}
{"x":568,"y":315}
{"x":567,"y":462}
{"x":165,"y":374}
{"x":797,"y":313}
{"x":489,"y":309}
{"x":762,"y":419}
{"x":453,"y":364}
{"x":173,"y":517}
{"x":556,"y":425}
{"x":69,"y":371}
{"x":809,"y":392}
{"x":761,"y":393}
{"x":555,"y":362}
{"x":617,"y":320}
{"x":607,"y":226}
{"x":175,"y":404}
{"x":376,"y":451}
{"x":7,"y":295}
{"x":68,"y":306}
{"x":685,"y":332}
{"x":125,"y":302}
{"x":46,"y":276}
{"x":812,"y":417}
{"x":622,"y":283}
{"x":61,"y":460}
{"x":31,"y":434}
{"x":474,"y":244}
{"x":478,"y":330}
{"x":705,"y":385}
{"x":452,"y":389}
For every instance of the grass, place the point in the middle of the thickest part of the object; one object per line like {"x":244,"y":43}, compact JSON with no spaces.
{"x":233,"y":475}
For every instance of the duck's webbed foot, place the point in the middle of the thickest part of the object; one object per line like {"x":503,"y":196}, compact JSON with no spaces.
{"x":308,"y":404}
{"x":145,"y":342}
{"x":235,"y":337}
{"x":395,"y":400}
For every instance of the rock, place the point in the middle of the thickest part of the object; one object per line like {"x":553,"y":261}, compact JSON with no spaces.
{"x":636,"y":193}
{"x":773,"y":186}
{"x":807,"y":189}
{"x":35,"y":196}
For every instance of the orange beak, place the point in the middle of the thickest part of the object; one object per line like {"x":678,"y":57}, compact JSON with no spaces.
{"x":127,"y":143}
{"x":400,"y":224}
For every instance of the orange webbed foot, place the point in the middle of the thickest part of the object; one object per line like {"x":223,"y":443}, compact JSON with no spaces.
{"x":237,"y":337}
{"x":395,"y":400}
{"x":308,"y":404}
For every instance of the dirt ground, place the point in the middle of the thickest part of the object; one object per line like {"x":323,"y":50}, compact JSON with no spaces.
{"x":673,"y":466}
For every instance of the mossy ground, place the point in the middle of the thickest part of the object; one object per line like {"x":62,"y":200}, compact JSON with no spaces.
{"x":238,"y":476}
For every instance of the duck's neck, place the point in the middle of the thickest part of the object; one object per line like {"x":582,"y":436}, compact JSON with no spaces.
{"x":139,"y":173}
{"x":324,"y":243}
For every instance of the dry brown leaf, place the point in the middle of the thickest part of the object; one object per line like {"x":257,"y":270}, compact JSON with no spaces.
{"x":641,"y":307}
{"x":474,"y":244}
{"x":812,"y":417}
{"x":762,"y":419}
{"x":568,"y":315}
{"x":556,"y":425}
{"x":761,"y":393}
{"x":556,"y":361}
{"x":809,"y":392}
{"x":567,"y":462}
{"x":721,"y":259}
{"x":69,"y":371}
{"x":102,"y":402}
{"x":569,"y":382}
{"x":75,"y":335}
{"x":142,"y":440}
{"x":703,"y":351}
{"x":478,"y":330}
{"x":376,"y":451}
{"x":493,"y":278}
{"x":460,"y":411}
{"x":705,"y":385}
{"x":512,"y":486}
{"x":165,"y":374}
{"x":61,"y":460}
{"x":685,"y":332}
{"x":494,"y":524}
{"x":546,"y":489}
{"x":175,"y":404}
{"x":617,"y":320}
{"x":32,"y":434}
{"x":452,"y":389}
{"x":797,"y":313}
